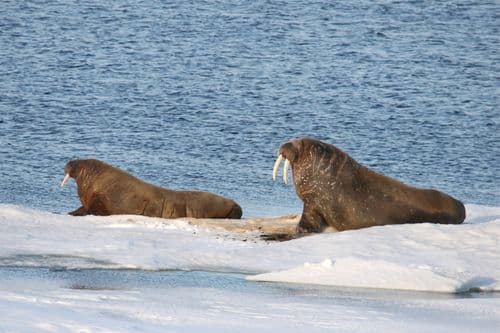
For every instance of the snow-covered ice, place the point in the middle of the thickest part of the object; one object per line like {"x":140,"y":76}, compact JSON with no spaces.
{"x":422,"y":257}
{"x":417,"y":258}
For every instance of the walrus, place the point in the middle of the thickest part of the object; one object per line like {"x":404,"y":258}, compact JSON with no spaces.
{"x":107,"y":190}
{"x":339,"y":192}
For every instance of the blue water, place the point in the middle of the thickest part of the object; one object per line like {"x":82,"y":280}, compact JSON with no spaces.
{"x":200,"y":94}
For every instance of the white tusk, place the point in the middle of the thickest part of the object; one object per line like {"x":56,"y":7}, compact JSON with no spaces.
{"x":276,"y":165}
{"x":285,"y":171}
{"x":65,"y":180}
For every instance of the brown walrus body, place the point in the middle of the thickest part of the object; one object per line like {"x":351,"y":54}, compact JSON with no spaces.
{"x":106,"y":190}
{"x":339,"y":192}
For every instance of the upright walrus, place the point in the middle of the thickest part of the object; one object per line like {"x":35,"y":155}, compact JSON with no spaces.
{"x":339,"y":192}
{"x":106,"y":190}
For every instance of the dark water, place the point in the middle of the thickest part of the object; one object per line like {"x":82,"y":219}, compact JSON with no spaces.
{"x":200,"y":94}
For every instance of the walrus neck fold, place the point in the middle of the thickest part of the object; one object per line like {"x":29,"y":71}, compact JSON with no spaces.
{"x":85,"y":178}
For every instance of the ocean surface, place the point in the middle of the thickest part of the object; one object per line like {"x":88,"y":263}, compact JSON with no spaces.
{"x":200,"y":94}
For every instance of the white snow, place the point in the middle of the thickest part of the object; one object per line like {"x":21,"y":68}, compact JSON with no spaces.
{"x":421,"y":257}
{"x":425,"y":257}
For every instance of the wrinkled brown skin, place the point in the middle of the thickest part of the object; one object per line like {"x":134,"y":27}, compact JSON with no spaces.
{"x":106,"y":190}
{"x":341,"y":193}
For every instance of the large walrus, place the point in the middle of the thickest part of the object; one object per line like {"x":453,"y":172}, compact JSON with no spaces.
{"x":106,"y":190}
{"x":341,"y":193}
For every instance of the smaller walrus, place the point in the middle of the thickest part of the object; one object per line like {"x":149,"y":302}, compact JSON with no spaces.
{"x":339,"y":192}
{"x":106,"y":190}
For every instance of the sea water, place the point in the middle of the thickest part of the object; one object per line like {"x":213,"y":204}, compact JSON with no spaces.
{"x":201,"y":94}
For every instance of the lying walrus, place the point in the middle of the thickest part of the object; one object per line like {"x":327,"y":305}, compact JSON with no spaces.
{"x":106,"y":190}
{"x":339,"y":192}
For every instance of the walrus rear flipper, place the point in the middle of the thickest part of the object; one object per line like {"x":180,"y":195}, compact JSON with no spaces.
{"x":457,"y":216}
{"x":236,"y":212}
{"x":445,"y":208}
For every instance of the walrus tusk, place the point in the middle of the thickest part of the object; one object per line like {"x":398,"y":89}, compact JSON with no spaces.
{"x":276,"y":165}
{"x":65,"y":180}
{"x":285,"y":171}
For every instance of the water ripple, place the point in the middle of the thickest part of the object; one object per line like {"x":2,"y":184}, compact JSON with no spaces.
{"x":201,"y":94}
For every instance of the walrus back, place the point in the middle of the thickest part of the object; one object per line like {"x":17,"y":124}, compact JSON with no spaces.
{"x":420,"y":205}
{"x":111,"y":178}
{"x":131,"y":195}
{"x":127,"y":194}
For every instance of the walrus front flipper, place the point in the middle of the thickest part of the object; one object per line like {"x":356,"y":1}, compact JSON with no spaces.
{"x":99,"y":205}
{"x":79,"y":212}
{"x":310,"y":221}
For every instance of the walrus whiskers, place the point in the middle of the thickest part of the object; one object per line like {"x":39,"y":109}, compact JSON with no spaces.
{"x":285,"y":171}
{"x":276,"y":166}
{"x":65,"y":180}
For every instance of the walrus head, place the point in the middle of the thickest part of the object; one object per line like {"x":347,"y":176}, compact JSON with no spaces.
{"x":295,"y":152}
{"x":315,"y":166}
{"x":290,"y":153}
{"x":80,"y":168}
{"x":69,"y":172}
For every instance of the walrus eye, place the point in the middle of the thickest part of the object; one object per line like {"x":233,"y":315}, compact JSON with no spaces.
{"x":65,"y":180}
